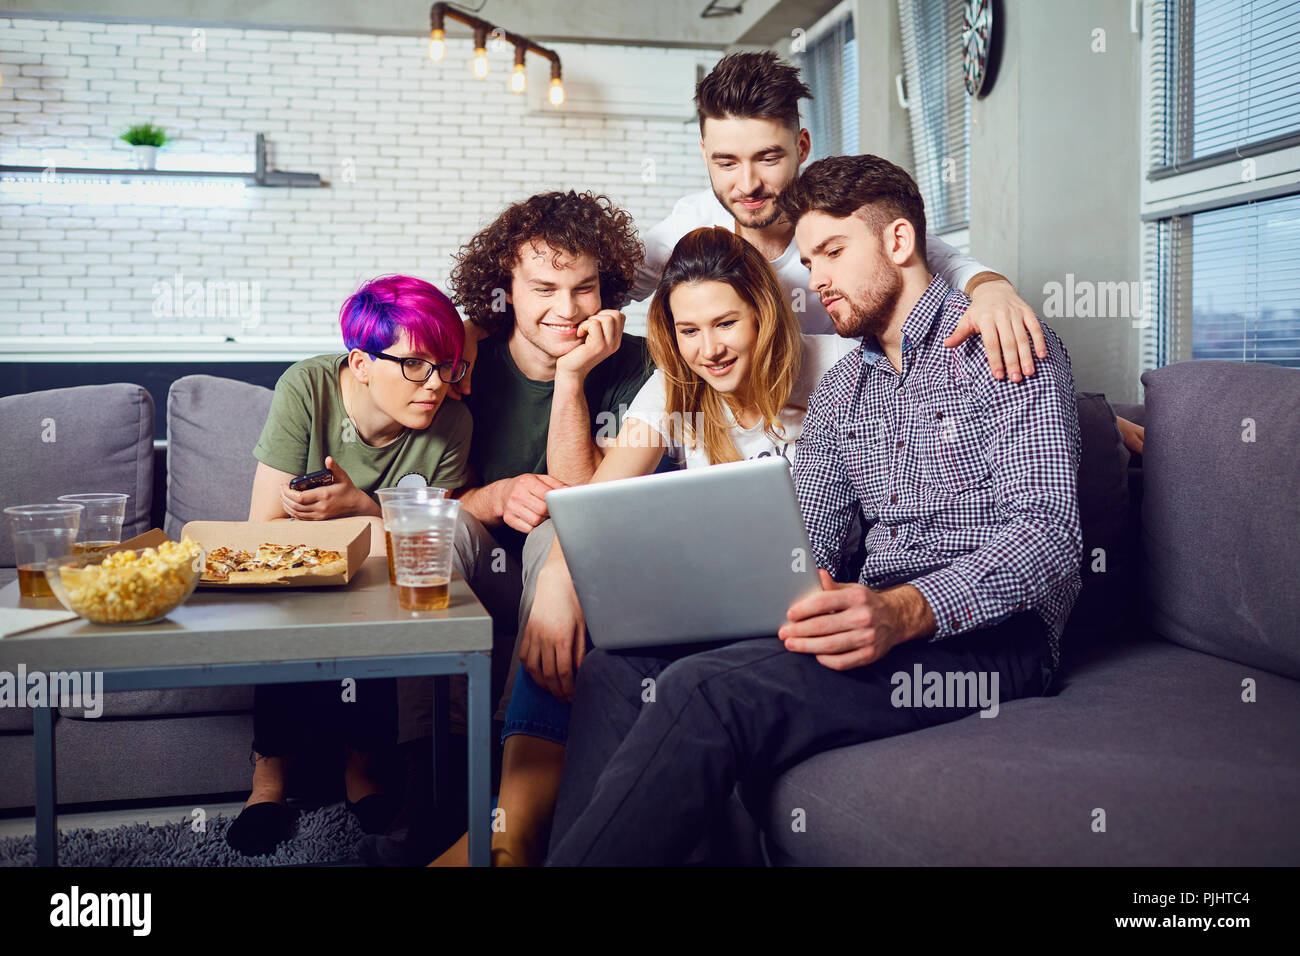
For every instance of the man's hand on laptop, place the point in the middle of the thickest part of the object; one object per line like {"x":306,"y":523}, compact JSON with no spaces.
{"x":555,"y":637}
{"x":851,"y":625}
{"x":523,"y":500}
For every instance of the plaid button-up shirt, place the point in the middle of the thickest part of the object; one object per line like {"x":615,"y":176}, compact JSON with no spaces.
{"x":967,"y":486}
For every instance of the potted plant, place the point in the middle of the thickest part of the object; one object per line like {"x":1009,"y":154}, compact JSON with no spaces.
{"x":145,"y":139}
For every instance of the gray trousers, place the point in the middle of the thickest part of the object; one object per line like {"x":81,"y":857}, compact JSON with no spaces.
{"x":505,"y":586}
{"x":646,"y":778}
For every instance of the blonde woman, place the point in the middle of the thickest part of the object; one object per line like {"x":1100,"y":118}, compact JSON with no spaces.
{"x":733,"y":380}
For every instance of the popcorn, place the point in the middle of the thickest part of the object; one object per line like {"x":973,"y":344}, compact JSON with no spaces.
{"x":134,"y":585}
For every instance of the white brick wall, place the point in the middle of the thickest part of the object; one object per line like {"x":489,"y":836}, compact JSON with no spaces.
{"x":435,"y":153}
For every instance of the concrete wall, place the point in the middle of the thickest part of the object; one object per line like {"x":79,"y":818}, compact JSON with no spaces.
{"x":882,"y":123}
{"x":1055,"y":177}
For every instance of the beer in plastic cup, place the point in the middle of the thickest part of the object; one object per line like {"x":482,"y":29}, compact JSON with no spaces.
{"x":423,"y":531}
{"x":41,"y":532}
{"x":397,"y":493}
{"x":101,"y":521}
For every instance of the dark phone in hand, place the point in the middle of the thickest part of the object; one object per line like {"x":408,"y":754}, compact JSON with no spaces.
{"x":315,"y":480}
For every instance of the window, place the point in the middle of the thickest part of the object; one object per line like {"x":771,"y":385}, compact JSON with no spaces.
{"x":830,"y":68}
{"x":1221,"y":197}
{"x":1235,"y":292}
{"x":938,"y":109}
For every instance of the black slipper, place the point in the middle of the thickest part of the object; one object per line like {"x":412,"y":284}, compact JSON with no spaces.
{"x":375,"y":811}
{"x":259,"y":828}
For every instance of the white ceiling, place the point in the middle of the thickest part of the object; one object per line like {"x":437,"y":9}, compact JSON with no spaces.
{"x":658,"y":22}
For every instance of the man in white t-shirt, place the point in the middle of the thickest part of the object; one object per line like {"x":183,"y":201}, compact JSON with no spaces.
{"x":753,"y":147}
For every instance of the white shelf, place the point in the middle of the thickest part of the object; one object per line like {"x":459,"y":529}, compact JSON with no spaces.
{"x":207,"y":348}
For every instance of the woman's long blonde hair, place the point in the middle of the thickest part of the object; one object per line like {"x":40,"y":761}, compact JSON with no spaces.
{"x":715,"y":254}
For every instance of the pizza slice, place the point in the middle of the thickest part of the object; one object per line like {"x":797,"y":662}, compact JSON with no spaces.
{"x":271,"y":563}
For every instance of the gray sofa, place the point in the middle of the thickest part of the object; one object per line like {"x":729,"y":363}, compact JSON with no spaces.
{"x":164,"y":745}
{"x":1147,"y":722}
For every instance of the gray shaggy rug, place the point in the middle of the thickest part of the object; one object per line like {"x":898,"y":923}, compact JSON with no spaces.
{"x":325,"y":835}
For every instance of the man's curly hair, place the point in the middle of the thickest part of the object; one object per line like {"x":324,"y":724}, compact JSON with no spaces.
{"x":570,"y":223}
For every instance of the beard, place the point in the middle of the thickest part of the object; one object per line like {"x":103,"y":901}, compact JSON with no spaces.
{"x":871,"y":311}
{"x":748,"y":219}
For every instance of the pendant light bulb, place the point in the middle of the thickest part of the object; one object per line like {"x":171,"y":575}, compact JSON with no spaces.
{"x":480,"y":52}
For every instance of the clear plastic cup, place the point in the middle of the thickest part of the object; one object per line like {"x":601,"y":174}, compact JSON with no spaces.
{"x":424,"y":534}
{"x":101,"y":521}
{"x":401,"y":493}
{"x":41,"y":532}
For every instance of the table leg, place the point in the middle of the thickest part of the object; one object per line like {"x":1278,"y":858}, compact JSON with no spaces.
{"x":47,"y":833}
{"x":480,"y":760}
{"x":441,"y":740}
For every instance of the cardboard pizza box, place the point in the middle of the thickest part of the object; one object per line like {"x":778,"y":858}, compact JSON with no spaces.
{"x":348,"y":536}
{"x":150,"y":539}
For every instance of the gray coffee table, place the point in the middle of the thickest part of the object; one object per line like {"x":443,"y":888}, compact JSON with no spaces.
{"x":224,"y":637}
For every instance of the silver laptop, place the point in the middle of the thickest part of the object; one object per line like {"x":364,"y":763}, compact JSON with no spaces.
{"x":704,"y":554}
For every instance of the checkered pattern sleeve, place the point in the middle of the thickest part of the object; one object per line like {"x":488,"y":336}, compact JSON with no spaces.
{"x":825,"y":489}
{"x":1033,"y":448}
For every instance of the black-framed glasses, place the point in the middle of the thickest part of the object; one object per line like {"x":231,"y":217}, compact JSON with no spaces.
{"x":418,"y":370}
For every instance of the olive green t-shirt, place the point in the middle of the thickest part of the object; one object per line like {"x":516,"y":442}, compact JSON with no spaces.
{"x":307,"y":422}
{"x":512,"y":413}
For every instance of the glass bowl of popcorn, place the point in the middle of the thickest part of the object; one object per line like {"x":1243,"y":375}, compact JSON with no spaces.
{"x":127,"y":587}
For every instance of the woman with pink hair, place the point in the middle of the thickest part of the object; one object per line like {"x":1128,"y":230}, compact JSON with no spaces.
{"x":375,"y":416}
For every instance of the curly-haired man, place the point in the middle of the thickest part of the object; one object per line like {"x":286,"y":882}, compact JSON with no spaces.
{"x":541,"y":287}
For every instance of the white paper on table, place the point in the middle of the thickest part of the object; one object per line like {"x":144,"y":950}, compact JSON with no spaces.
{"x":16,"y":620}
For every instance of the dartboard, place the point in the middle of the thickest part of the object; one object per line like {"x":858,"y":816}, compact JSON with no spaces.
{"x":976,"y":34}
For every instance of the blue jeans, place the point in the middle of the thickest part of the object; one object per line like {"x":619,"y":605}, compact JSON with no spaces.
{"x":535,"y":711}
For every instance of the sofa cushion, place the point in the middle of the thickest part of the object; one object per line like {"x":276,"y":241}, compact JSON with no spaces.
{"x":1156,"y":735}
{"x":1108,"y":564}
{"x":170,"y":702}
{"x":164,"y":760}
{"x":13,"y":719}
{"x":16,"y":720}
{"x":1220,"y":473}
{"x":1137,"y":414}
{"x":212,"y":425}
{"x":76,"y":440}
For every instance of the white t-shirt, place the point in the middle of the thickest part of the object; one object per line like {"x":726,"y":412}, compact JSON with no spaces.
{"x":820,"y":352}
{"x":703,"y":209}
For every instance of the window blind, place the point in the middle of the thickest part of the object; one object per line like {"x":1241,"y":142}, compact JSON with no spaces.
{"x":830,"y":68}
{"x":1245,"y":288}
{"x":1224,"y":81}
{"x":1226,"y":284}
{"x":938,"y":109}
{"x":1227,"y":73}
